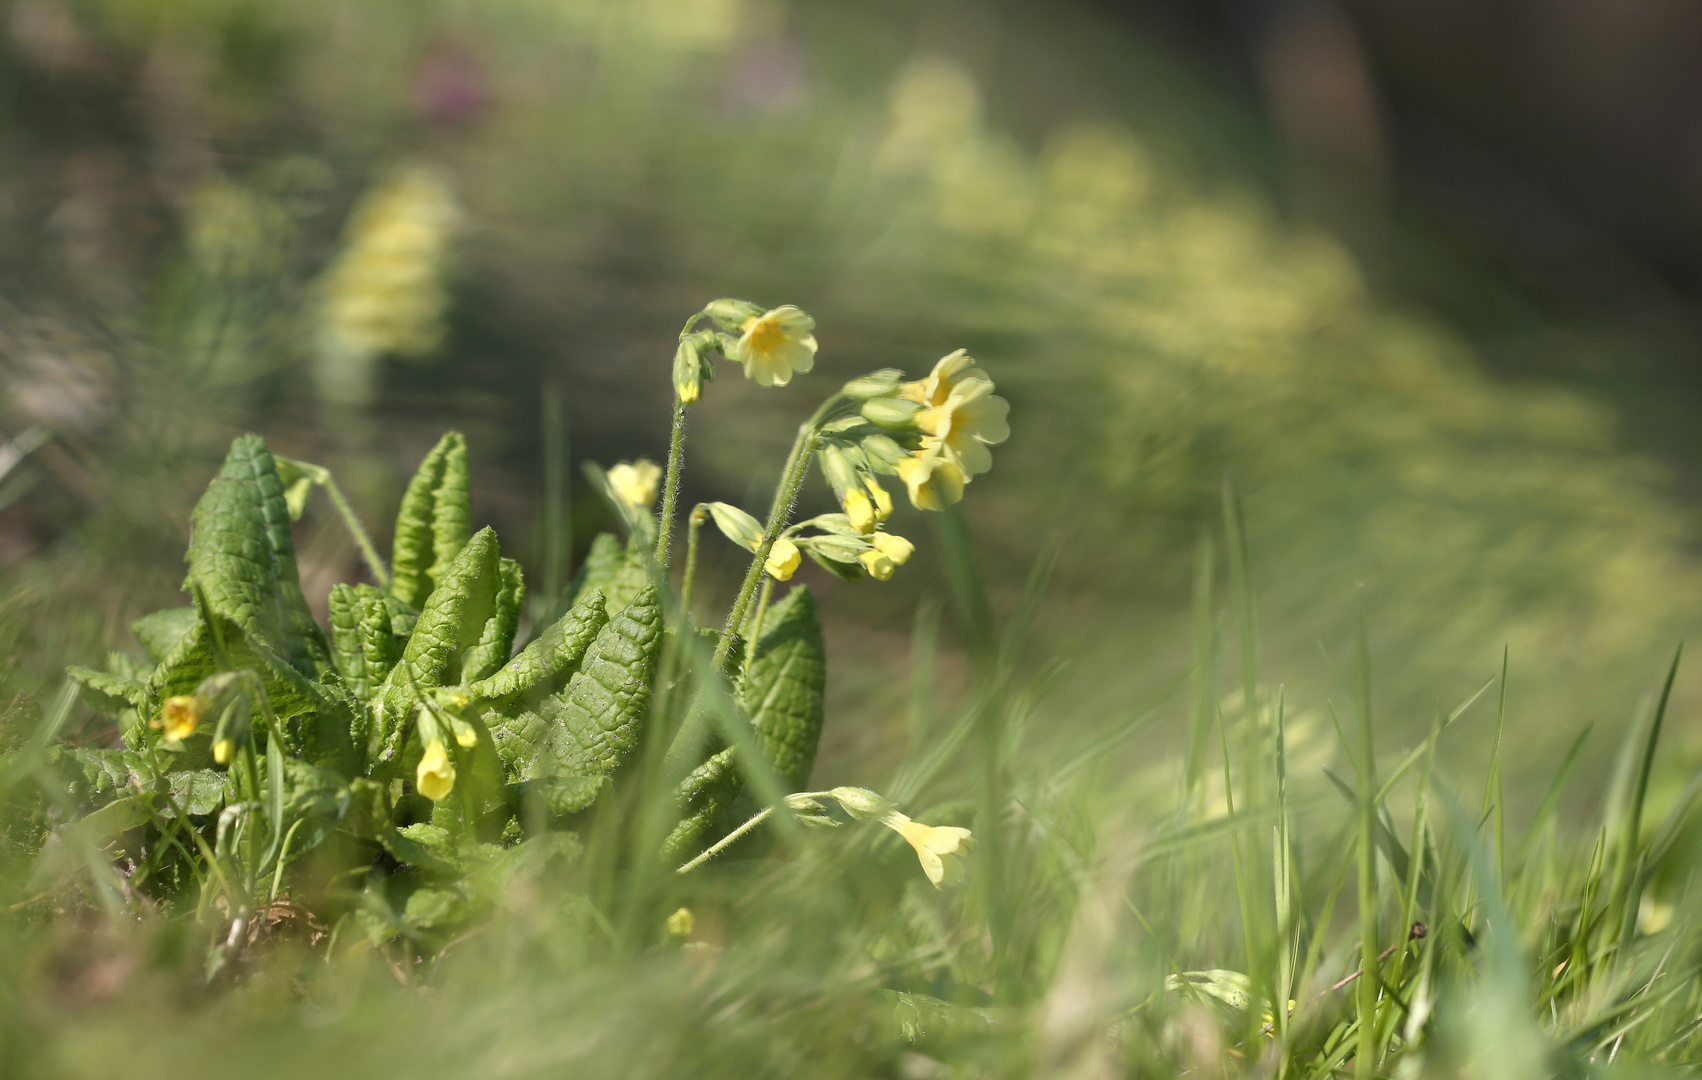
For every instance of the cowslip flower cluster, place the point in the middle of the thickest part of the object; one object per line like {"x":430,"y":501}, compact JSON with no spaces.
{"x":179,"y":716}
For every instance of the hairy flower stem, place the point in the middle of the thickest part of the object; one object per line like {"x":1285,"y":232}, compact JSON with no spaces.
{"x":670,"y":486}
{"x":726,"y":841}
{"x":693,"y":524}
{"x":754,"y":632}
{"x":380,"y":572}
{"x":791,"y":479}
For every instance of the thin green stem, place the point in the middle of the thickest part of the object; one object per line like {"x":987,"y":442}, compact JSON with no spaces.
{"x":756,"y":621}
{"x":726,"y":841}
{"x":791,"y":479}
{"x":670,"y":485}
{"x":693,"y":524}
{"x":380,"y":572}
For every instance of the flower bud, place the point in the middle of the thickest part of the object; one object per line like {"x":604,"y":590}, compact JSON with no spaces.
{"x":875,"y":384}
{"x":688,"y":372}
{"x":894,"y":414}
{"x":736,"y":525}
{"x":861,"y":802}
{"x":731,"y":314}
{"x":681,"y":923}
{"x":860,"y":510}
{"x":783,"y":559}
{"x":435,"y":776}
{"x":883,"y":453}
{"x":839,"y":469}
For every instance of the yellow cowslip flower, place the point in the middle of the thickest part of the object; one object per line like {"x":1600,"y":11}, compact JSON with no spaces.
{"x":783,"y":559}
{"x":435,"y":776}
{"x":883,"y":500}
{"x":888,"y":554}
{"x":860,"y":511}
{"x":950,"y":372}
{"x":222,"y":751}
{"x":939,"y":848}
{"x":773,"y":345}
{"x":635,"y":483}
{"x":969,"y":420}
{"x":180,"y":715}
{"x":934,"y":479}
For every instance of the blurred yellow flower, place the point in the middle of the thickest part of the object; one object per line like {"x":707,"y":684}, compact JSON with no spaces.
{"x":773,"y":345}
{"x":969,"y":420}
{"x":888,"y":554}
{"x":180,"y":715}
{"x":939,"y":848}
{"x":951,"y":371}
{"x":635,"y":483}
{"x":681,"y":923}
{"x":222,"y":751}
{"x":435,"y":777}
{"x":934,"y":479}
{"x":783,"y":559}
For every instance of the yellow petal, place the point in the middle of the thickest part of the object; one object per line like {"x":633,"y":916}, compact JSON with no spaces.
{"x":435,"y":776}
{"x":861,"y":511}
{"x":783,"y":559}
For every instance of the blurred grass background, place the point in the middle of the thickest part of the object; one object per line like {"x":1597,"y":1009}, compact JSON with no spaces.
{"x":351,"y":225}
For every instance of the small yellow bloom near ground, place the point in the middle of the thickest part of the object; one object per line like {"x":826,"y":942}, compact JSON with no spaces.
{"x":681,"y":923}
{"x":435,"y":777}
{"x":179,"y":716}
{"x":887,"y":555}
{"x":783,"y":559}
{"x":635,"y":483}
{"x":934,"y":480}
{"x":773,"y":345}
{"x":222,"y":751}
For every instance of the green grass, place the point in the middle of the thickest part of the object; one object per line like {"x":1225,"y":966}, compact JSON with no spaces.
{"x":1129,"y":911}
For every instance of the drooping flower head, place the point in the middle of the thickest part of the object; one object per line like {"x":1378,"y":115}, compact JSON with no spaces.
{"x":939,"y":848}
{"x":773,"y":345}
{"x":635,"y":483}
{"x":435,"y":776}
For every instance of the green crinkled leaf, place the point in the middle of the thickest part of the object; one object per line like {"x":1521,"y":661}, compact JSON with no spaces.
{"x":424,"y":849}
{"x":618,"y":569}
{"x":160,"y":632}
{"x":783,"y":691}
{"x":594,"y":723}
{"x":543,"y":667}
{"x":197,"y":792}
{"x":704,"y":795}
{"x":558,"y":796}
{"x":316,"y":721}
{"x":433,"y":909}
{"x":452,"y":622}
{"x":496,"y":644}
{"x":366,"y":644}
{"x":242,"y":558}
{"x":434,"y":523}
{"x":112,"y":696}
